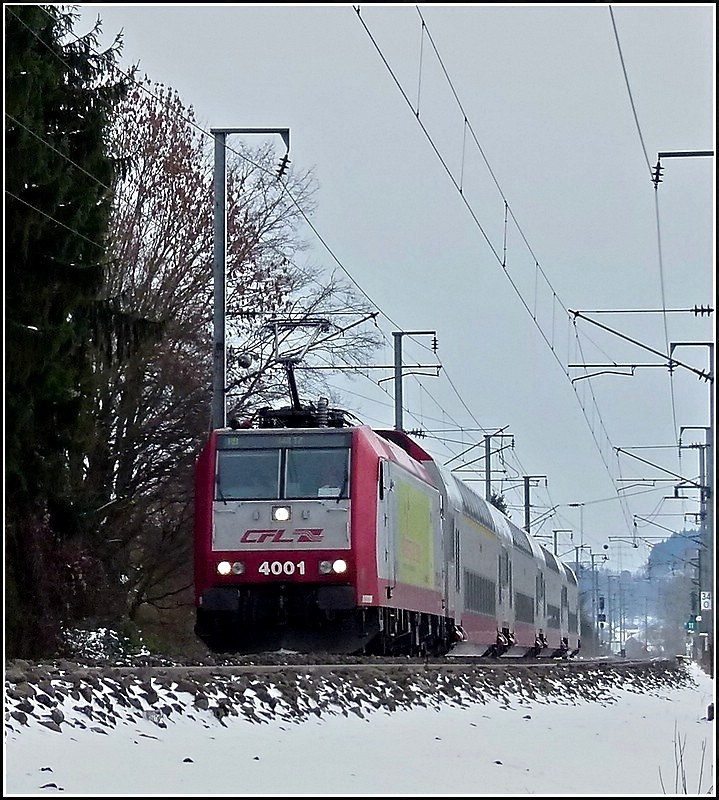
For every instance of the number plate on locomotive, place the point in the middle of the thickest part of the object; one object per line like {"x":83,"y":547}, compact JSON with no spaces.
{"x":282,"y":568}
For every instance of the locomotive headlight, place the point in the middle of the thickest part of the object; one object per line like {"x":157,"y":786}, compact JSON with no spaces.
{"x":328,"y":567}
{"x":236,"y":568}
{"x":280,"y":513}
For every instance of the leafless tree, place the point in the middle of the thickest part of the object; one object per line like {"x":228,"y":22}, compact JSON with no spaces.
{"x":153,"y":373}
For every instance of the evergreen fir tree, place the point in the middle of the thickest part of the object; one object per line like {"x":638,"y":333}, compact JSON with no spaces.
{"x":59,"y":95}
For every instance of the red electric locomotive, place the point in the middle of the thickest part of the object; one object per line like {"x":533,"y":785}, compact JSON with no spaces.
{"x":312,"y":534}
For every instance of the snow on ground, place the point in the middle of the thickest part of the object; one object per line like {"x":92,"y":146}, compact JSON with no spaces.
{"x":327,"y":733}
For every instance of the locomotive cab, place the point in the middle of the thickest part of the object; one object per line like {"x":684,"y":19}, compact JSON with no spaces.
{"x":277,"y":561}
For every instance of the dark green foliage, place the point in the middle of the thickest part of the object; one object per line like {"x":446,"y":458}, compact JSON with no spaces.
{"x":498,"y":501}
{"x":59,"y":95}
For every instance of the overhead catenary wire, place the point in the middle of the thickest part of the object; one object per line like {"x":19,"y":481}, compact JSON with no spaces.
{"x":500,"y":260}
{"x":548,"y":338}
{"x":459,"y":186}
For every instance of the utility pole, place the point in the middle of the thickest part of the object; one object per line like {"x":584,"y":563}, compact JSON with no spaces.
{"x":219,"y":267}
{"x":595,"y":592}
{"x":707,"y":593}
{"x":582,"y":596}
{"x":398,"y":370}
{"x":577,"y":550}
{"x":553,"y":537}
{"x":580,"y":506}
{"x":594,"y":584}
{"x":487,"y":460}
{"x":616,"y":612}
{"x":622,"y":618}
{"x":555,"y":534}
{"x":610,"y":612}
{"x":527,"y":479}
{"x":707,"y":587}
{"x":487,"y":468}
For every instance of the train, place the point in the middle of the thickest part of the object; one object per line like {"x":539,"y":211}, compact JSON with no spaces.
{"x":315,"y":532}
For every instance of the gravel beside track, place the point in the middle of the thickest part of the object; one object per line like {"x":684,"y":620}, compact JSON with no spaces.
{"x":99,"y":695}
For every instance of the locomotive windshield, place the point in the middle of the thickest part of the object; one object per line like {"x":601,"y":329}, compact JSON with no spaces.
{"x":248,"y":475}
{"x":273,"y":467}
{"x":316,"y":473}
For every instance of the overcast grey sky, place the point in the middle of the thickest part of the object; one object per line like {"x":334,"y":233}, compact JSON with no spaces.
{"x":424,"y":140}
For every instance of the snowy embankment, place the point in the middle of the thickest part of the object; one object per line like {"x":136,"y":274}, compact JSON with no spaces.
{"x":315,"y":730}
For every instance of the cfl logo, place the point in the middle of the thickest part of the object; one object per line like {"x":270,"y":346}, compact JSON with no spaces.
{"x":296,"y":536}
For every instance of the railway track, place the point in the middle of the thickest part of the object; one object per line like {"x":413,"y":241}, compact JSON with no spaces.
{"x":279,"y":662}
